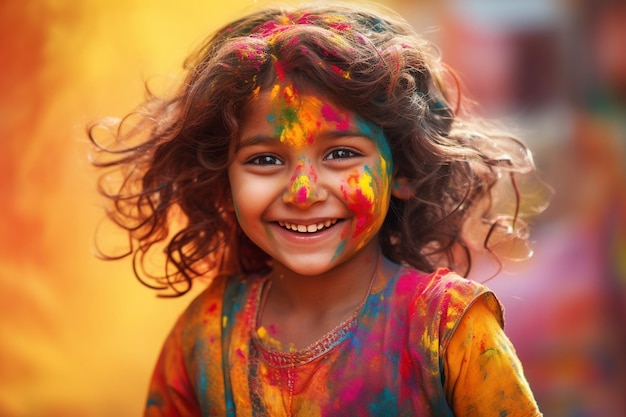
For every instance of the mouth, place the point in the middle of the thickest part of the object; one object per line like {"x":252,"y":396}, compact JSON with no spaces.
{"x":308,"y":228}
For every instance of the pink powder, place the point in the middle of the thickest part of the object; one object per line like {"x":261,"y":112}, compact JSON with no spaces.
{"x":301,"y":195}
{"x":343,"y":123}
{"x":240,"y":353}
{"x":336,"y":69}
{"x":312,"y":174}
{"x":352,"y":393}
{"x":280,"y":71}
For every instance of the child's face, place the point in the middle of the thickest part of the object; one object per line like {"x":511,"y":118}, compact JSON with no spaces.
{"x":310,"y":181}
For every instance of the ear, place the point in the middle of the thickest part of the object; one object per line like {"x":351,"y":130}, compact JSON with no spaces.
{"x":401,"y":189}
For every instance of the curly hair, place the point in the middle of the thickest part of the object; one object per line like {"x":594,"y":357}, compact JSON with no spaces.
{"x":173,"y":151}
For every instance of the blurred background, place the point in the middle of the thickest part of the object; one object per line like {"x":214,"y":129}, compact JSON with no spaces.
{"x":79,"y":337}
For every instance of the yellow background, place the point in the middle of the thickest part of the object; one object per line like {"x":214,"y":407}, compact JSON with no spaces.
{"x":78,"y":336}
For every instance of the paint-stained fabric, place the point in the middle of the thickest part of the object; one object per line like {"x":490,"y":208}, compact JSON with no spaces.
{"x":423,"y":345}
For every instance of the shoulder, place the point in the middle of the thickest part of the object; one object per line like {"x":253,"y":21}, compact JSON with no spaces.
{"x":202,"y":325}
{"x":205,"y":315}
{"x":223,"y":293}
{"x":209,"y":302}
{"x":440,"y":287}
{"x":441,"y":299}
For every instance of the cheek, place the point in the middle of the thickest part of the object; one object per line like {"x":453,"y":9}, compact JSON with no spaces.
{"x":367,"y":195}
{"x":245,"y":200}
{"x":249,"y":207}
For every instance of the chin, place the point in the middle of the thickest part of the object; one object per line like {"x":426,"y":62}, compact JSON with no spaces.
{"x":309,"y":268}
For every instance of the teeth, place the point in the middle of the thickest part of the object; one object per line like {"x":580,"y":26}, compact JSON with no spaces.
{"x":311,"y":228}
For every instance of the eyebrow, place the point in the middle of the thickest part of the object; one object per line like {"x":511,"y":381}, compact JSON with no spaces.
{"x":255,"y":140}
{"x":334,"y":134}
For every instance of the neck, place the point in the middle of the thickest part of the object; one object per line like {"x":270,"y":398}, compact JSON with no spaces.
{"x":341,"y":288}
{"x":300,"y":310}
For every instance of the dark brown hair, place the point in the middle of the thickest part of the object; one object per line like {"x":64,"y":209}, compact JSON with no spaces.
{"x":172,"y":153}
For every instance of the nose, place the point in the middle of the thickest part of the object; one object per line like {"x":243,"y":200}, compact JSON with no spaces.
{"x":304,"y":189}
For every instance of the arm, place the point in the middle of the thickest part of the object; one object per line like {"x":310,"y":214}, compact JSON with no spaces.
{"x":483,"y":376}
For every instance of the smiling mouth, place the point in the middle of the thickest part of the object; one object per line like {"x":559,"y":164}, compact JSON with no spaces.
{"x":310,"y":228}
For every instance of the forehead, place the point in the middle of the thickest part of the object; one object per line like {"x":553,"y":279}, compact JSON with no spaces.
{"x":283,"y":99}
{"x":293,"y":115}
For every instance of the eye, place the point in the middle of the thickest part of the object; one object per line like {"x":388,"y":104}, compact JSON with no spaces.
{"x":264,"y":160}
{"x":341,"y":153}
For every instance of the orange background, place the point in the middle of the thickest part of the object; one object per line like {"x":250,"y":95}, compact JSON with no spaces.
{"x":78,"y":336}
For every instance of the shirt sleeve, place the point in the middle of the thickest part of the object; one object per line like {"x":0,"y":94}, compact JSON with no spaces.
{"x":483,"y":375}
{"x":171,"y":393}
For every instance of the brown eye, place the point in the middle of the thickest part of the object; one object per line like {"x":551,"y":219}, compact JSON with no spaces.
{"x":341,"y":154}
{"x":264,"y":160}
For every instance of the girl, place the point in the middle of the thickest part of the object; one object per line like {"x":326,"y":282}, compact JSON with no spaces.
{"x":318,"y":167}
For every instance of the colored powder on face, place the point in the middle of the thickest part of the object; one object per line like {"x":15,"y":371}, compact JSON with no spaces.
{"x":374,"y":132}
{"x":340,"y":248}
{"x":295,"y":120}
{"x":374,"y":181}
{"x":290,"y":116}
{"x":312,"y":174}
{"x":364,"y":184}
{"x":366,"y":192}
{"x":301,"y":189}
{"x":360,"y":196}
{"x":290,"y":95}
{"x":332,"y":115}
{"x":301,"y":183}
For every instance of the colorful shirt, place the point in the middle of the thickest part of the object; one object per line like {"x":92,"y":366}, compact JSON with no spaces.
{"x":422,"y":345}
